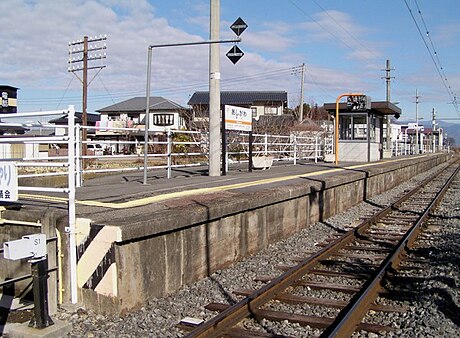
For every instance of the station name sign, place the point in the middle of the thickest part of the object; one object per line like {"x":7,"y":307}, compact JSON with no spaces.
{"x":237,"y":118}
{"x":358,"y":102}
{"x":8,"y":181}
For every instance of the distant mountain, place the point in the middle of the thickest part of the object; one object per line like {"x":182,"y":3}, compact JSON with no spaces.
{"x":452,"y":129}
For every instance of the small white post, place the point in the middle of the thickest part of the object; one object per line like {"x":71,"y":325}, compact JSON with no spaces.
{"x":295,"y":148}
{"x":169,"y":151}
{"x":78,"y":168}
{"x":316,"y":149}
{"x":266,"y":144}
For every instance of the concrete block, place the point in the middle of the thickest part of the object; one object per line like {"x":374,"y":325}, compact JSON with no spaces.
{"x":58,"y":330}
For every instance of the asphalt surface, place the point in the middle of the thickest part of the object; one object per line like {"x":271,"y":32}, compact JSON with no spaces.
{"x":129,"y":186}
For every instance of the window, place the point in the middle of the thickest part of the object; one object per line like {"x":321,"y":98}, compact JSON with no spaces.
{"x":345,"y":127}
{"x":254,"y":112}
{"x":271,"y":110}
{"x":163,"y":119}
{"x":353,"y":127}
{"x":360,"y":127}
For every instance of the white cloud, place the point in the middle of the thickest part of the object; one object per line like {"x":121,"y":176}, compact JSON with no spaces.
{"x":35,"y":54}
{"x":340,"y":28}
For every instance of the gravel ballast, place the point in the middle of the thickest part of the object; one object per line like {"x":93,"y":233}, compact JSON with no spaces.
{"x":433,"y":301}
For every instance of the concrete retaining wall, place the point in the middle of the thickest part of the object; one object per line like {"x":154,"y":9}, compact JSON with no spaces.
{"x":122,"y":264}
{"x":181,"y":246}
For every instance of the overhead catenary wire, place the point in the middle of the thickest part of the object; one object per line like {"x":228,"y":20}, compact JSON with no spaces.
{"x":345,"y":30}
{"x":431,"y":53}
{"x":301,"y":10}
{"x":225,"y":83}
{"x":436,"y":53}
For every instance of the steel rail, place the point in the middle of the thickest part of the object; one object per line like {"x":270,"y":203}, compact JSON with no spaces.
{"x":248,"y":306}
{"x":351,"y":316}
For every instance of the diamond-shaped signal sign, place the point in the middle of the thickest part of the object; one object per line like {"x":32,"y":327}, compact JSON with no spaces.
{"x":239,"y":26}
{"x":235,"y":54}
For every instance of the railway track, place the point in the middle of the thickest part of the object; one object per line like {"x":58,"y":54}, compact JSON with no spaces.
{"x":354,"y":266}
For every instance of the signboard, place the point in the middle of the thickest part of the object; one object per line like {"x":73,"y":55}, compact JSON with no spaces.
{"x":239,"y":26}
{"x":359,"y":103}
{"x":8,"y":181}
{"x":237,"y":118}
{"x":235,"y":54}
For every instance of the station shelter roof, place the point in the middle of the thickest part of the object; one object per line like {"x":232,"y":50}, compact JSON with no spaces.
{"x":377,"y":107}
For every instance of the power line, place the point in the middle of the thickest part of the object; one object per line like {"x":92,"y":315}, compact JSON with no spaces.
{"x":438,"y":68}
{"x":229,"y":82}
{"x":345,"y":30}
{"x":436,"y":53}
{"x":327,"y":30}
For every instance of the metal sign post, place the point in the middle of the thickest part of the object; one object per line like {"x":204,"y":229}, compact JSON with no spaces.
{"x":149,"y":75}
{"x":240,"y":119}
{"x":34,"y":247}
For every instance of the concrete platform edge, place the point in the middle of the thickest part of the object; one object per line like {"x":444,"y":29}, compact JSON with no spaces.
{"x":58,"y":330}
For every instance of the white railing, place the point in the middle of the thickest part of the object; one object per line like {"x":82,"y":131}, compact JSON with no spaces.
{"x":58,"y":165}
{"x":119,"y":150}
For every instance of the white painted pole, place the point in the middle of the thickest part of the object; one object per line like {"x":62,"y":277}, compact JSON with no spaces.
{"x":169,"y":151}
{"x":71,"y":206}
{"x":78,"y":168}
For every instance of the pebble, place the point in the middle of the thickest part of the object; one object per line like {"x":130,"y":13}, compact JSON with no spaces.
{"x":433,"y":304}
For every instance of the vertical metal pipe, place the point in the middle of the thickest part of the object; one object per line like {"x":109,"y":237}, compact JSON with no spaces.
{"x":78,"y":166}
{"x":169,"y":151}
{"x":147,"y":112}
{"x":71,"y":205}
{"x":41,"y":317}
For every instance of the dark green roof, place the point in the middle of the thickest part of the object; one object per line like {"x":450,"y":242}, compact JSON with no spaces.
{"x":137,"y":104}
{"x":240,"y":97}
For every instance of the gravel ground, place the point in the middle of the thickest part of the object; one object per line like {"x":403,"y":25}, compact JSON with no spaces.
{"x":433,"y":302}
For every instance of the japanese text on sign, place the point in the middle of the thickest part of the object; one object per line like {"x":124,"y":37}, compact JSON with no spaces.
{"x":237,"y":118}
{"x":8,"y":182}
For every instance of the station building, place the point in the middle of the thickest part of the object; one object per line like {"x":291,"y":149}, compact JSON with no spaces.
{"x":361,"y":131}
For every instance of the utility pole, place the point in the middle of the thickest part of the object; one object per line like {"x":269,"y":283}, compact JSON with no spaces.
{"x":84,"y":115}
{"x":214,"y":92}
{"x":85,"y":53}
{"x":417,"y":150}
{"x":433,"y":129}
{"x":388,"y":78}
{"x":301,"y":92}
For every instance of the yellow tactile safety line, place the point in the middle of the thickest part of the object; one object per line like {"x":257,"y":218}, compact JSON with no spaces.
{"x":158,"y":198}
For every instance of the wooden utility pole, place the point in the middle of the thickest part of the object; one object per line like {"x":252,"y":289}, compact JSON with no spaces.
{"x":301,"y":92}
{"x":85,"y":54}
{"x":84,"y":116}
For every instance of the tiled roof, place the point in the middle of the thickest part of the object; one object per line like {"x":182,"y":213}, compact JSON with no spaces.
{"x":91,"y":118}
{"x":137,"y":104}
{"x":240,"y":97}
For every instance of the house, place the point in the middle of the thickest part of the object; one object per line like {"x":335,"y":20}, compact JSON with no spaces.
{"x":164,"y":114}
{"x":9,"y":99}
{"x":360,"y":136}
{"x":91,"y":120}
{"x":261,"y":103}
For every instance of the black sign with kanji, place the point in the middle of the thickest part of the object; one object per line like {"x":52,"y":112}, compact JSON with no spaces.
{"x":235,"y":54}
{"x":358,"y":103}
{"x":239,"y":26}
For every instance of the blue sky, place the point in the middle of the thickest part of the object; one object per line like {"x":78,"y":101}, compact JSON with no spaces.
{"x":344,"y":45}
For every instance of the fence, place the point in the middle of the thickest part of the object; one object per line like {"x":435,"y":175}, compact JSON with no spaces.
{"x":46,"y":165}
{"x":121,"y":148}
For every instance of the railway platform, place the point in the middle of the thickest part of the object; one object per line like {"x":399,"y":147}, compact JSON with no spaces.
{"x":137,"y":241}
